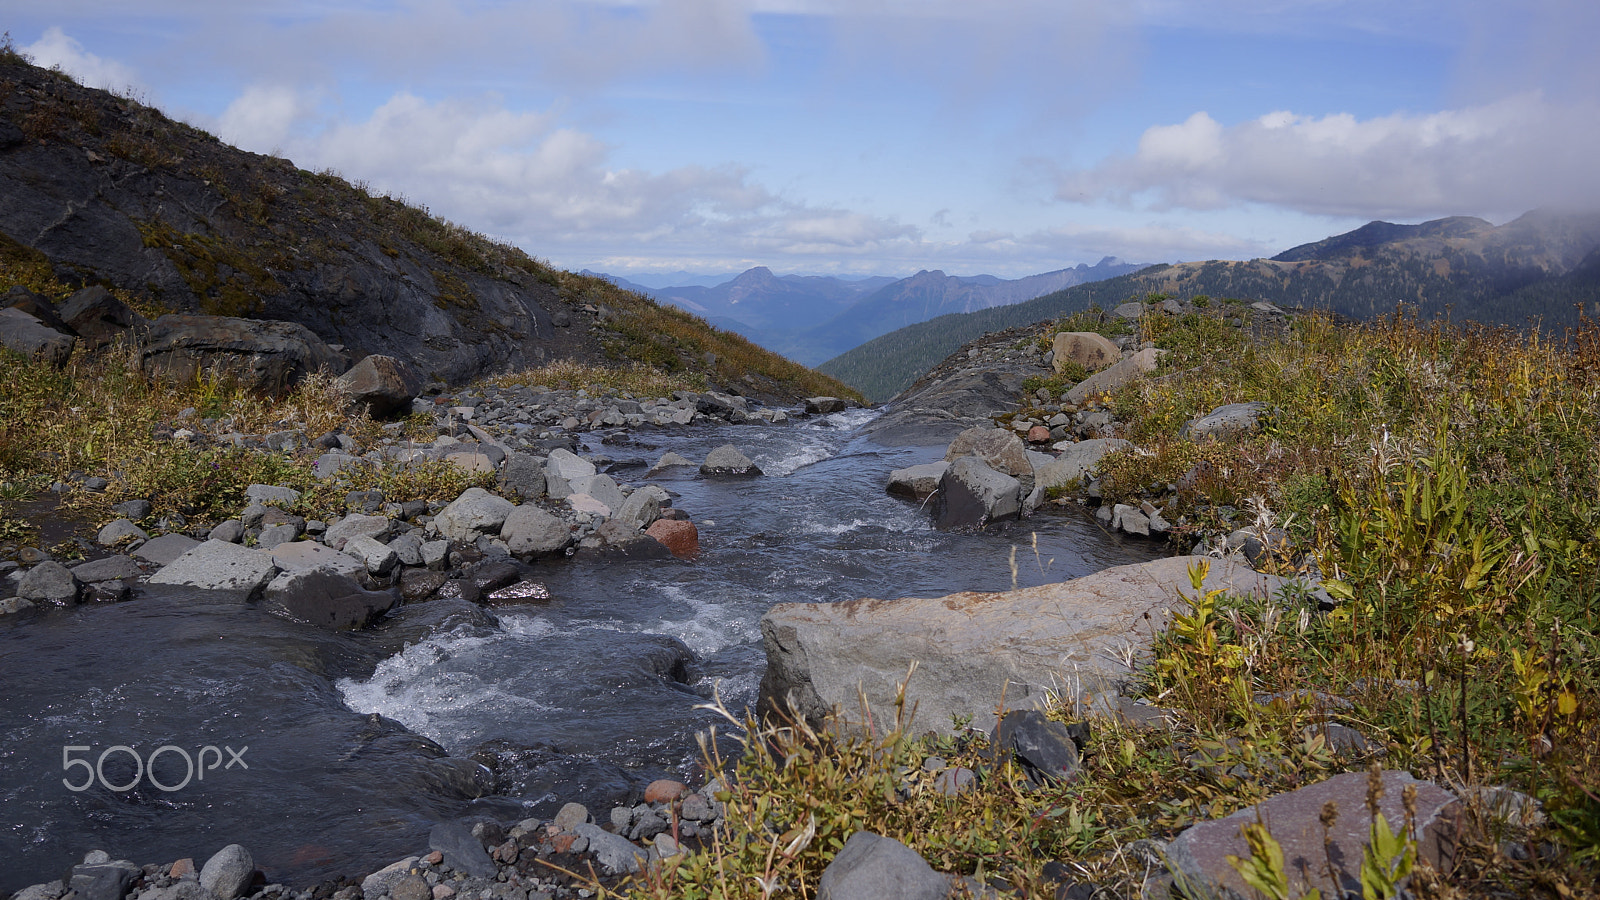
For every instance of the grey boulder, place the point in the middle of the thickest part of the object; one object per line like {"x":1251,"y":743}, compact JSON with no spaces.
{"x":561,"y":468}
{"x":1077,"y":462}
{"x":973,"y":495}
{"x":972,"y":649}
{"x":616,"y":854}
{"x":1108,"y":380}
{"x":917,"y":482}
{"x":727,"y":462}
{"x":530,"y":531}
{"x":1226,"y":421}
{"x":1086,"y":348}
{"x":49,"y":582}
{"x":873,"y":867}
{"x":473,"y":514}
{"x":383,"y":384}
{"x":353,"y":525}
{"x":1294,"y":819}
{"x":264,"y":357}
{"x":166,"y":549}
{"x":98,"y":318}
{"x":28,"y":336}
{"x":304,"y":556}
{"x":227,"y":873}
{"x":326,"y":599}
{"x":220,"y":566}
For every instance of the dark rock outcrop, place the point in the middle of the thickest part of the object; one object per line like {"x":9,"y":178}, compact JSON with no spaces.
{"x":267,"y":357}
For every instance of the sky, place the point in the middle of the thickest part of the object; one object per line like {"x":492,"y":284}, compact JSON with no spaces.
{"x":859,"y":137}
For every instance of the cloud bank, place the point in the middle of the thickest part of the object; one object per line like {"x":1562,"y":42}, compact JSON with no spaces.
{"x":1503,"y":157}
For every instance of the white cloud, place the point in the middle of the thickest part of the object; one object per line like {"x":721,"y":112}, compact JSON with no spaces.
{"x":55,"y":49}
{"x":545,"y":185}
{"x":1503,"y":157}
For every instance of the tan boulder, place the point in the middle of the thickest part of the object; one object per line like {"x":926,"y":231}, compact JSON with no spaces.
{"x":1086,"y":348}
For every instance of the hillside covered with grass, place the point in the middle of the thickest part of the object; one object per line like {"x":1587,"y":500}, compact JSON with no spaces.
{"x":104,"y":190}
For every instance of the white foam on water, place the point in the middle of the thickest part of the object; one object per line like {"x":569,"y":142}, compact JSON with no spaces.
{"x":798,"y":459}
{"x":436,"y":689}
{"x":708,"y":628}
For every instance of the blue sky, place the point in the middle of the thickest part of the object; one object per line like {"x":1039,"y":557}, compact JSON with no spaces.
{"x":880,"y":136}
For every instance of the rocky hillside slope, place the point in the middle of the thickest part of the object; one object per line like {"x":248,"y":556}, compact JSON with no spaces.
{"x":1528,"y":270}
{"x":100,"y":189}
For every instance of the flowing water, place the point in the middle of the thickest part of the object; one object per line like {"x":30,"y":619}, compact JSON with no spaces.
{"x":581,"y":697}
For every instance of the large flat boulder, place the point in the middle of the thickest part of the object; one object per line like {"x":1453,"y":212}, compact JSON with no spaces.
{"x":265,"y":357}
{"x":1294,"y":820}
{"x":973,"y":648}
{"x":220,"y":566}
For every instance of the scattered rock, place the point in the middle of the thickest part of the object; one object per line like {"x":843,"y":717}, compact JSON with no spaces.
{"x":121,"y":531}
{"x":1226,"y":421}
{"x":973,"y":495}
{"x":383,"y":384}
{"x":726,"y":461}
{"x":227,"y":873}
{"x":111,"y":568}
{"x":616,"y":854}
{"x":873,"y":867}
{"x":1201,"y":852}
{"x":355,"y":524}
{"x":1107,"y":380}
{"x":523,"y":476}
{"x":1044,"y":748}
{"x":49,"y":582}
{"x":680,"y":537}
{"x":32,"y":338}
{"x":823,"y":405}
{"x":166,"y":549}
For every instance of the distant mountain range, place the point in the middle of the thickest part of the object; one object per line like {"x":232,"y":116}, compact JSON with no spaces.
{"x":1537,"y":269}
{"x":811,"y":318}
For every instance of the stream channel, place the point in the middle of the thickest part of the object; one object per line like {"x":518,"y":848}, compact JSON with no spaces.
{"x":331,"y":748}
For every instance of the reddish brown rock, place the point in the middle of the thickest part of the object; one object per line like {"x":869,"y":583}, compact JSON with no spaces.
{"x":434,"y":858}
{"x":682,"y":538}
{"x":1038,"y":434}
{"x":181,"y":868}
{"x":562,"y":843}
{"x":664,"y":790}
